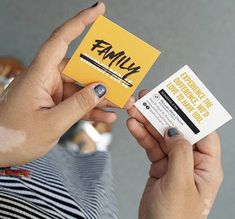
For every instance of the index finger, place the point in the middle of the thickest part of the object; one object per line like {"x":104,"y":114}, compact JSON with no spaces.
{"x":54,"y":49}
{"x":135,"y":113}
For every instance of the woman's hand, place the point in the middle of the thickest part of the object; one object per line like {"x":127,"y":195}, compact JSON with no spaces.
{"x":183,"y":179}
{"x":41,"y":104}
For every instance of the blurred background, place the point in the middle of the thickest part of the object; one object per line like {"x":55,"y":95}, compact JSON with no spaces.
{"x":195,"y":32}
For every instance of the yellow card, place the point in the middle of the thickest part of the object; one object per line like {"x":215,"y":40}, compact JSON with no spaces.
{"x":113,"y":56}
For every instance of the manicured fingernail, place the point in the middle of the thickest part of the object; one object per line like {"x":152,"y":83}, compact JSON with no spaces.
{"x":172,"y":132}
{"x":95,"y":5}
{"x":100,"y":90}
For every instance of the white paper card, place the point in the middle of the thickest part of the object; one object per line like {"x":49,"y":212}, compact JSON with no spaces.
{"x":183,"y":101}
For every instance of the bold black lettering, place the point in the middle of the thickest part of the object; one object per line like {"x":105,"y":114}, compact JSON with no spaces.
{"x":106,"y":50}
{"x":133,"y":70}
{"x":112,"y":56}
{"x":98,"y":44}
{"x":120,"y":60}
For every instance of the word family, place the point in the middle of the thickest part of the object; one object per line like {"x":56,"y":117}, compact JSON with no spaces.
{"x":119,"y":59}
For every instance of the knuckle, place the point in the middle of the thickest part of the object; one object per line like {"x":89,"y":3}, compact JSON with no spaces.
{"x":153,"y":172}
{"x":84,"y":101}
{"x":142,"y":137}
{"x":56,"y":32}
{"x":56,"y":35}
{"x":80,"y":21}
{"x":132,"y":112}
{"x":181,"y":145}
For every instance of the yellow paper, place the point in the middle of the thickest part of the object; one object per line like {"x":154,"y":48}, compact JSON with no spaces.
{"x":113,"y":56}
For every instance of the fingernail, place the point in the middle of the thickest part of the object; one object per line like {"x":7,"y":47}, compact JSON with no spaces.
{"x":95,"y":5}
{"x":100,"y":90}
{"x":172,"y":132}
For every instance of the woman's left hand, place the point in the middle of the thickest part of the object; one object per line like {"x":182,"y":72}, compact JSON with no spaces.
{"x":41,"y":104}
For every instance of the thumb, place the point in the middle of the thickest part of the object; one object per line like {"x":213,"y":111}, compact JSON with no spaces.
{"x":72,"y":109}
{"x":180,"y":157}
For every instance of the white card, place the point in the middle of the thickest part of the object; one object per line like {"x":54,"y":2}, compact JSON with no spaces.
{"x":183,"y":101}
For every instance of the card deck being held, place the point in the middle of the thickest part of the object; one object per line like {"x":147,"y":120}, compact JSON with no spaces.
{"x":111,"y":55}
{"x":184,"y":102}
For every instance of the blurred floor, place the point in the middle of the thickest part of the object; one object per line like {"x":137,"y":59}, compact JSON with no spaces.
{"x":195,"y":32}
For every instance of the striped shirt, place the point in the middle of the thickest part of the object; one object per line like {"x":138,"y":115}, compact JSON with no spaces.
{"x":62,"y":185}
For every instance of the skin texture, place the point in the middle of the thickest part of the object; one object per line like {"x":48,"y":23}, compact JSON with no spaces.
{"x":183,"y":179}
{"x":41,"y":104}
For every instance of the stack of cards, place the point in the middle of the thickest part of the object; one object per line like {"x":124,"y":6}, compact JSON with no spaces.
{"x":115,"y":57}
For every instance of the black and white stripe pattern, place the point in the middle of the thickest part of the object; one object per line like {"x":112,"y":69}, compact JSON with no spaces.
{"x":62,"y":185}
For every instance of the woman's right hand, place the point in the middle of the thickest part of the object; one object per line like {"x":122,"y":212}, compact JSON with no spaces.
{"x":41,"y":104}
{"x":183,"y":179}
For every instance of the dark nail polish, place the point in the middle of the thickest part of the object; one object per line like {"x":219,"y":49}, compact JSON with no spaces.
{"x":100,"y":90}
{"x":172,"y":132}
{"x":95,"y":5}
